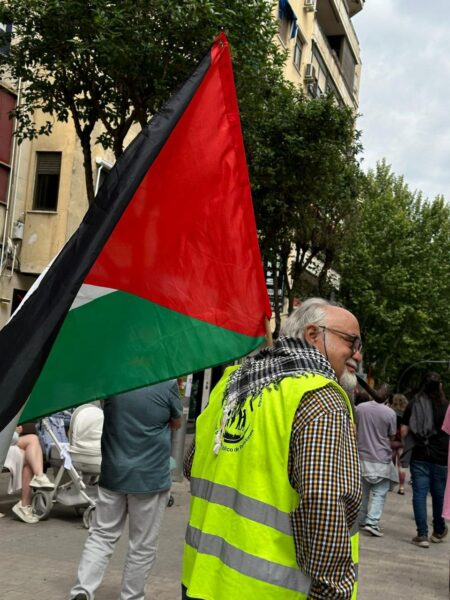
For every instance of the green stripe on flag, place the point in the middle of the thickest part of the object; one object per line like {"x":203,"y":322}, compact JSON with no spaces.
{"x":149,"y":342}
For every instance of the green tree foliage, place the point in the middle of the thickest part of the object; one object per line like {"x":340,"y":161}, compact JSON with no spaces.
{"x":396,"y":275}
{"x":306,"y":181}
{"x":115,"y":62}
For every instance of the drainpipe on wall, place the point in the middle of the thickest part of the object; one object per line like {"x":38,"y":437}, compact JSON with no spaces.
{"x":102,"y":164}
{"x":11,"y":194}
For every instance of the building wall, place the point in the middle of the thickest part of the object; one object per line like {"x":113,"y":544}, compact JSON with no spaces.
{"x":329,"y":43}
{"x":32,"y":237}
{"x":330,"y":60}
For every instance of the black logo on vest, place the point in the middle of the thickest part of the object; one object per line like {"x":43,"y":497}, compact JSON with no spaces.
{"x":239,"y":427}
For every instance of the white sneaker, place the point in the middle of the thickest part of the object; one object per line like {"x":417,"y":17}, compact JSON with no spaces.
{"x":374,"y":530}
{"x":42,"y":482}
{"x":25,"y":513}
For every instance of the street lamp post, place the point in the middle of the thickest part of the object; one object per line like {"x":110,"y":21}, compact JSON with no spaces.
{"x":442,"y":362}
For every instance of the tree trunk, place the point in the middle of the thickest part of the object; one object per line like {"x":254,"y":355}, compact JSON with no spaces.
{"x":88,"y":173}
{"x":322,"y":279}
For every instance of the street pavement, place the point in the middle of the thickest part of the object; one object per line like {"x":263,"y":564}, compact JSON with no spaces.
{"x":39,"y":562}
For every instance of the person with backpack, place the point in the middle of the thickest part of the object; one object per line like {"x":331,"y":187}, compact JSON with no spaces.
{"x":426,"y":449}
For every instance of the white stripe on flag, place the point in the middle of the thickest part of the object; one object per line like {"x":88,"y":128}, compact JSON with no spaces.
{"x":33,"y":288}
{"x":87,"y":293}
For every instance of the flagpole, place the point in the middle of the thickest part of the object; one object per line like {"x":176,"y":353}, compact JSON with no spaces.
{"x":269,"y":339}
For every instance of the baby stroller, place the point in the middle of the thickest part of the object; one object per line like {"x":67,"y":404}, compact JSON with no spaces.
{"x":76,"y":464}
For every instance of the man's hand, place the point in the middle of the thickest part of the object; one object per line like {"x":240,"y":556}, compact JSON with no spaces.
{"x":175,"y":423}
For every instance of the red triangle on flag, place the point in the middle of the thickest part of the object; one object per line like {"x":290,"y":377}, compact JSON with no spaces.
{"x":187,"y":240}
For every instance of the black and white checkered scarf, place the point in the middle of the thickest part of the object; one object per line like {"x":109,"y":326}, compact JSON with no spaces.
{"x":289,"y":357}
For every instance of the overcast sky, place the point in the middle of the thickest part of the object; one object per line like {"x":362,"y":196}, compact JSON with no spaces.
{"x":404,"y":93}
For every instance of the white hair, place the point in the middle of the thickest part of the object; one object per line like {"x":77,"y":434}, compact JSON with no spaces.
{"x":310,"y":312}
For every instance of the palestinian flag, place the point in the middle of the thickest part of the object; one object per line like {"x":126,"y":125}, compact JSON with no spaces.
{"x":163,"y":276}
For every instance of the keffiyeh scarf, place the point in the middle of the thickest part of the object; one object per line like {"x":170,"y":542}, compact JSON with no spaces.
{"x":289,"y":357}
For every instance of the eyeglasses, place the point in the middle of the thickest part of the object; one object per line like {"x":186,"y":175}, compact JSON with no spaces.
{"x":355,"y":340}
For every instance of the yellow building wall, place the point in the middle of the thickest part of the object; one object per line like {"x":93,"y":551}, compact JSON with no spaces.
{"x":305,"y":25}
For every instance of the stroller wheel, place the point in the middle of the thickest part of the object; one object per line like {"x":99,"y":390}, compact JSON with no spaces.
{"x":170,"y":501}
{"x":87,"y":516}
{"x":42,"y":504}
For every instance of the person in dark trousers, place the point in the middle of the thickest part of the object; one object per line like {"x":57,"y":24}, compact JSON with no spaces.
{"x":426,"y":449}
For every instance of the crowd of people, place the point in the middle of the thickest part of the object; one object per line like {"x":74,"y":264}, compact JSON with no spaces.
{"x":287,"y":467}
{"x":394,"y":433}
{"x":280,"y":437}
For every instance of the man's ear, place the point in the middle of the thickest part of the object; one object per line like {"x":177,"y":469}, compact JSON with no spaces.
{"x":312,"y":333}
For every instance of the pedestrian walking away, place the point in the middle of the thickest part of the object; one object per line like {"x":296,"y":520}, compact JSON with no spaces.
{"x":274,"y":469}
{"x":376,"y":427}
{"x":426,"y":449}
{"x":134,"y":482}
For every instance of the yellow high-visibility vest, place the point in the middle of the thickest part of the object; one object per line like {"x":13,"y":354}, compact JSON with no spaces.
{"x":239,"y":542}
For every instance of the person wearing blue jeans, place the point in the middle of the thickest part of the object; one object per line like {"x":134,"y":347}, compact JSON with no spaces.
{"x":370,"y":514}
{"x":376,"y":427}
{"x":427,"y":446}
{"x":428,"y":478}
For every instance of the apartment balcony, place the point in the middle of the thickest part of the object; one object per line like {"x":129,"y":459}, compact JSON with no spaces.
{"x":333,"y":17}
{"x":354,"y":6}
{"x":348,"y":92}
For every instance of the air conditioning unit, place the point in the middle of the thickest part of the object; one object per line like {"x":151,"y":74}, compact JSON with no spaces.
{"x":310,"y":72}
{"x":310,"y":5}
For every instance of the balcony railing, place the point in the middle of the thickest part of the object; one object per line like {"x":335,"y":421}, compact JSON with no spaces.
{"x":342,"y":10}
{"x":334,"y":67}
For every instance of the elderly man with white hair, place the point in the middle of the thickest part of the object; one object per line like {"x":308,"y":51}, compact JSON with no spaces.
{"x":274,"y":470}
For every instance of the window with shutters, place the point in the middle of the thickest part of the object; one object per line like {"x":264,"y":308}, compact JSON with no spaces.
{"x":297,"y":59}
{"x":48,"y":167}
{"x":7,"y":104}
{"x":5,"y":37}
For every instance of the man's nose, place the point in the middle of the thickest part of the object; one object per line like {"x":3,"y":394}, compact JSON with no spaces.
{"x":357,"y":355}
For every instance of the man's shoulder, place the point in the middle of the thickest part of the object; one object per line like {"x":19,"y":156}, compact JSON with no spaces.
{"x":326,"y":400}
{"x":377,"y":410}
{"x":390,"y":411}
{"x":156,"y":391}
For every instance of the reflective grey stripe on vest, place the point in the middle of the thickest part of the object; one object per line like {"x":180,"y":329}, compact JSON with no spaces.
{"x":247,"y":564}
{"x":247,"y":507}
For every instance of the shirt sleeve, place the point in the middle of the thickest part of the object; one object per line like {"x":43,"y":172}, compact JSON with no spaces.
{"x":176,"y":408}
{"x":324,"y":469}
{"x":188,"y":460}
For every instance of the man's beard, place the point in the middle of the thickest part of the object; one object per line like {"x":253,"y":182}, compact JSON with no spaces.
{"x":348,"y":382}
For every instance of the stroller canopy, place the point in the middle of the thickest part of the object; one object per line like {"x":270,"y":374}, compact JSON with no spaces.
{"x":85,"y":430}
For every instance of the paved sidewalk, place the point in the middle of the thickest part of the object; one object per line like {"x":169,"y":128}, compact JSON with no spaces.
{"x":39,"y":562}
